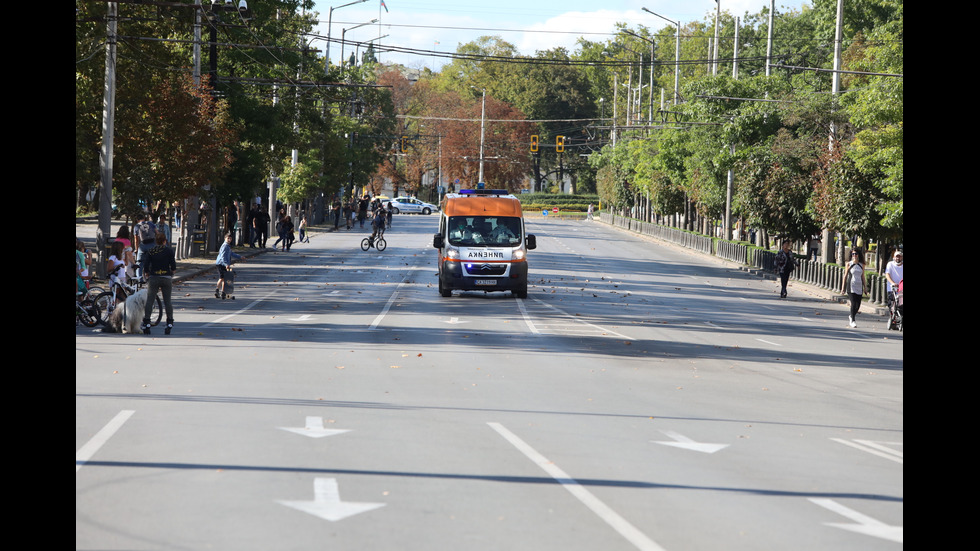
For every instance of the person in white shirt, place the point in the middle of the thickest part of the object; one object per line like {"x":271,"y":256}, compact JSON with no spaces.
{"x":894,"y":273}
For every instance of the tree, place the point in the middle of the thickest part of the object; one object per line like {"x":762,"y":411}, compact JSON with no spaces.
{"x":180,"y":144}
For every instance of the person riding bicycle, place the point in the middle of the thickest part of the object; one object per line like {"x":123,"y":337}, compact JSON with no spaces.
{"x":378,"y":224}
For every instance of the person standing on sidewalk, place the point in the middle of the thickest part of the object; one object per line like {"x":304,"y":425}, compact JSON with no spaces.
{"x":159,"y":265}
{"x":855,"y":284}
{"x":785,"y":264}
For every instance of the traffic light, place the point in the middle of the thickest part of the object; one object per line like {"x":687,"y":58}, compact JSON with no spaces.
{"x":404,"y":144}
{"x":560,"y":144}
{"x":534,"y":143}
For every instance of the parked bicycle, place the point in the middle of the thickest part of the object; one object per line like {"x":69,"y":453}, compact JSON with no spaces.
{"x":86,"y":310}
{"x":106,"y":300}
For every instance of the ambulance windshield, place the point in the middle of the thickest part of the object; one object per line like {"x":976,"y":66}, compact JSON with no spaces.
{"x":484,"y":231}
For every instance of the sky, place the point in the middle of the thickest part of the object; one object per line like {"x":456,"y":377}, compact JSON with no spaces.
{"x":441,"y":25}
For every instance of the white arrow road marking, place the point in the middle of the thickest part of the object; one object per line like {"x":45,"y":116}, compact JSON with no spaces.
{"x":865,"y":524}
{"x":304,"y":317}
{"x":603,"y":511}
{"x":326,"y":502}
{"x":453,"y":321}
{"x":314,"y":428}
{"x":103,"y":436}
{"x":681,"y":441}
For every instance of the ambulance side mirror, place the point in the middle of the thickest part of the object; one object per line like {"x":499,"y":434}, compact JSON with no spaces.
{"x":437,"y":241}
{"x":532,"y":242}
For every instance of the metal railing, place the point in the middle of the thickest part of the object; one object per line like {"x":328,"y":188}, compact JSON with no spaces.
{"x":819,"y":274}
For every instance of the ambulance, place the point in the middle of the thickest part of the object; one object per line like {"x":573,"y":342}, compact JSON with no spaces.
{"x":482,"y":243}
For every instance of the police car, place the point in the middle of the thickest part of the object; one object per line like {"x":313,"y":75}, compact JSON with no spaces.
{"x":410,"y":205}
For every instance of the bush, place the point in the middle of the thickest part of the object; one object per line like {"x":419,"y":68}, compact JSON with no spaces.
{"x":564,"y":202}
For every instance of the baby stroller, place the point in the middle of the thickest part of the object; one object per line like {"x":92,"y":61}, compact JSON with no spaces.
{"x":897,"y":308}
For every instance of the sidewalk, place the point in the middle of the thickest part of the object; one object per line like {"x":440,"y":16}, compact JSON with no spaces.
{"x":187,"y":268}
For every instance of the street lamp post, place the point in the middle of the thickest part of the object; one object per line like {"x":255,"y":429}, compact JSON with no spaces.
{"x":326,"y":62}
{"x":343,"y":35}
{"x":483,"y":119}
{"x":677,"y":54}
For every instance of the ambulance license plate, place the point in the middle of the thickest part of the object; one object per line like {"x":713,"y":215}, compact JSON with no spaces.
{"x":486,"y":282}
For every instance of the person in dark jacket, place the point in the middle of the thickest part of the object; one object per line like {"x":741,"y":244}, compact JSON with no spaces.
{"x":785,"y":264}
{"x":158,"y":265}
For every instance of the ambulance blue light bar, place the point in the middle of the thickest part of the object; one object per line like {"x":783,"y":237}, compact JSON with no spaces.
{"x":483,"y":192}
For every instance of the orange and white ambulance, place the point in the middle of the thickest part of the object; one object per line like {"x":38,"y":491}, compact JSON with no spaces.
{"x":482,"y":243}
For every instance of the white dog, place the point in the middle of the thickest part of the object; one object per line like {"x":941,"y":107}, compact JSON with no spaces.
{"x":128,"y":315}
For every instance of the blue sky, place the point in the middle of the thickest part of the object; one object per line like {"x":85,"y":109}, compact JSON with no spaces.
{"x":530,"y":25}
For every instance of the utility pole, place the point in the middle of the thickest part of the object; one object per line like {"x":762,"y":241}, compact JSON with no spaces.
{"x":108,"y":129}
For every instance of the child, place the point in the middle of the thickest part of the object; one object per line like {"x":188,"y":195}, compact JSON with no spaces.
{"x":225,"y":254}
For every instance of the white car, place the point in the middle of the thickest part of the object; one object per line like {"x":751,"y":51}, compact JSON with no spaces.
{"x":410,"y":205}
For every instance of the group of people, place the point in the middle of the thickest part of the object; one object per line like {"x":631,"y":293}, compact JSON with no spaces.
{"x":257,"y":224}
{"x":146,"y":255}
{"x":358,"y":211}
{"x":855,"y":281}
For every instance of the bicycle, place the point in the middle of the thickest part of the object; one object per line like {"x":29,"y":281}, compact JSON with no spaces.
{"x":86,"y":310}
{"x":376,"y":242}
{"x":106,"y":301}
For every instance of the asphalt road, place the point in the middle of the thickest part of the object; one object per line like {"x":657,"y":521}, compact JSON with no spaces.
{"x":641,"y":397}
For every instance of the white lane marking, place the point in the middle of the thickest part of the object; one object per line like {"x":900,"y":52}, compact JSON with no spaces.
{"x":88,"y":450}
{"x":603,"y":511}
{"x":527,"y":318}
{"x":233,"y":314}
{"x":874,"y":449}
{"x":769,"y":342}
{"x":596,"y":327}
{"x":394,"y":294}
{"x":865,"y":524}
{"x":384,"y":311}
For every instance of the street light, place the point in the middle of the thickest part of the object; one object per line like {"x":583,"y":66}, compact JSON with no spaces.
{"x":483,"y":119}
{"x":326,"y":63}
{"x":343,"y":34}
{"x":677,"y":54}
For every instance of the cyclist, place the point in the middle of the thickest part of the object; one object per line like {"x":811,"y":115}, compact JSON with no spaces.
{"x":378,"y":224}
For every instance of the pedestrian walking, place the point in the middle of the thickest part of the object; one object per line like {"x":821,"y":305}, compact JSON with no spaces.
{"x":303,"y":238}
{"x":289,"y":235}
{"x":855,"y":284}
{"x":280,"y":226}
{"x":159,"y":265}
{"x":785,"y":264}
